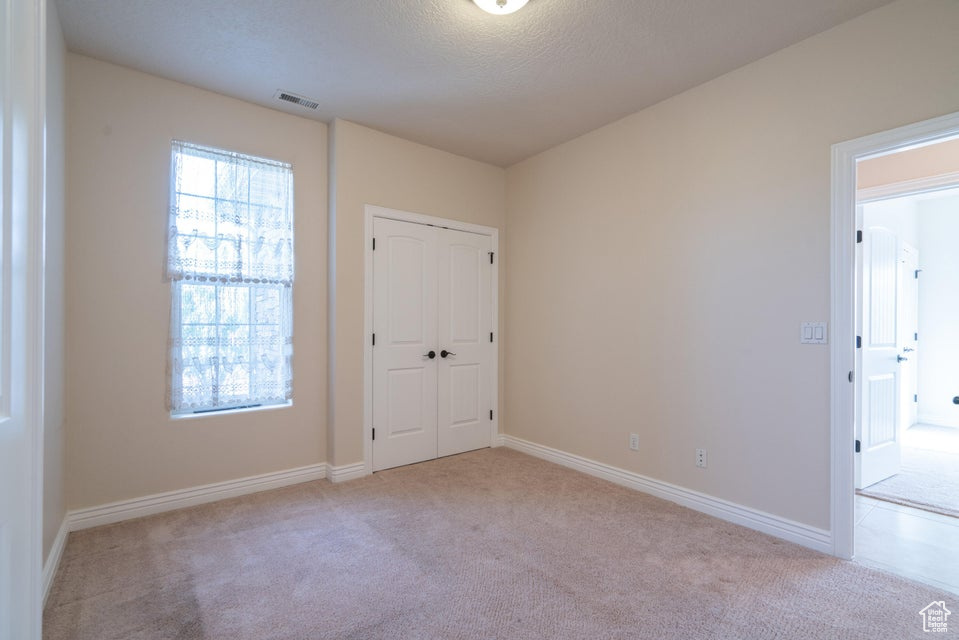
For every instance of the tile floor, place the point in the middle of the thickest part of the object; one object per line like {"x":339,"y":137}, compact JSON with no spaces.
{"x":920,"y":545}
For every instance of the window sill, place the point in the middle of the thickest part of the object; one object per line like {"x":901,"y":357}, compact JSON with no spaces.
{"x":223,"y":412}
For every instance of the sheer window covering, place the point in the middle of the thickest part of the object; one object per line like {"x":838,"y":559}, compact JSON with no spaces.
{"x":230,"y":262}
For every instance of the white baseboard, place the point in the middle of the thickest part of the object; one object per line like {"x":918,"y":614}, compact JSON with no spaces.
{"x":812,"y":537}
{"x":170,"y":500}
{"x":52,"y":562}
{"x":499,"y":440}
{"x":938,"y":421}
{"x":347,"y":472}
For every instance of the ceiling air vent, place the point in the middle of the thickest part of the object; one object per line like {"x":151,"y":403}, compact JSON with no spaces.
{"x":295,"y":99}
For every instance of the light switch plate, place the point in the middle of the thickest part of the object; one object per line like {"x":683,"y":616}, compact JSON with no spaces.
{"x":813,"y":333}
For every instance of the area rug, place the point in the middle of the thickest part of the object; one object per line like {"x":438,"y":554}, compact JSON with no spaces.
{"x":489,"y":545}
{"x":928,"y":478}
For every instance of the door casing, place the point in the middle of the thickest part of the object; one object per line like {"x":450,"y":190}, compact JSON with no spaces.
{"x":23,"y":78}
{"x":374,"y":211}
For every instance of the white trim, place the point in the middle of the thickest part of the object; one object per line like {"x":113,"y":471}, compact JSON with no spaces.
{"x":80,"y":519}
{"x":170,"y":500}
{"x":812,"y":537}
{"x":348,"y":472}
{"x":938,"y":421}
{"x":367,"y":346}
{"x":23,"y":146}
{"x":374,"y":211}
{"x":52,"y":563}
{"x":843,"y":301}
{"x":285,"y":404}
{"x":912,"y":187}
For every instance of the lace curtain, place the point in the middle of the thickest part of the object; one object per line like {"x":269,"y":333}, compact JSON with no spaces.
{"x":230,"y":260}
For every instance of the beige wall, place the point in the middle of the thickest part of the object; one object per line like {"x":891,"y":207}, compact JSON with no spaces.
{"x":55,"y":185}
{"x":659,"y":267}
{"x":370,"y":167}
{"x":925,"y":162}
{"x":121,"y":442}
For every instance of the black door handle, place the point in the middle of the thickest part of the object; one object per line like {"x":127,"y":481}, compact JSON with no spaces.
{"x":431,"y":354}
{"x":901,"y":359}
{"x":445,"y":353}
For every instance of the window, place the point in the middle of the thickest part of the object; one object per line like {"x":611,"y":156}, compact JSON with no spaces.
{"x":230,"y":263}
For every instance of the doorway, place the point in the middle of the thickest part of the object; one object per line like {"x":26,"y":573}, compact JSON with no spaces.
{"x":881,"y":353}
{"x":431,"y":359}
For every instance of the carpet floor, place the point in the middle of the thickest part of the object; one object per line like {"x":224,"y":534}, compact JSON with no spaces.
{"x":928,"y":476}
{"x":489,"y":544}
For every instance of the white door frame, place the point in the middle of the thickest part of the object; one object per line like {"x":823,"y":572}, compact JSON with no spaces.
{"x":23,"y":81}
{"x":843,"y":313}
{"x":373,"y":211}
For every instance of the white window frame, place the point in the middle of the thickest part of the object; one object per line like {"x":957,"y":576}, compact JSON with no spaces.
{"x":177,"y":285}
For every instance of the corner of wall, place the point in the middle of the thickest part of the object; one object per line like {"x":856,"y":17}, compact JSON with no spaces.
{"x":331,"y":291}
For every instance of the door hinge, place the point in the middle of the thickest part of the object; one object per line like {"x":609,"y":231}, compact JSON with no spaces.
{"x":917,"y":273}
{"x":858,"y":236}
{"x":850,"y":376}
{"x":859,"y":342}
{"x":374,"y":244}
{"x":374,"y":339}
{"x":491,"y":257}
{"x":915,"y":336}
{"x":490,"y":414}
{"x":915,"y":397}
{"x":858,"y":446}
{"x":490,"y":336}
{"x":374,"y":433}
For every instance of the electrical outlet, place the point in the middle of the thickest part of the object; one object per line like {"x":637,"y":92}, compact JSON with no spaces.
{"x":634,"y":441}
{"x":701,"y":458}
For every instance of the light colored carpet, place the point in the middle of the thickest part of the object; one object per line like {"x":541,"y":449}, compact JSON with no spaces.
{"x":929,"y":474}
{"x":487,"y":545}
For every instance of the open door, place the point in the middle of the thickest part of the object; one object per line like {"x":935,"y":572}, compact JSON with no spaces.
{"x":880,"y":382}
{"x":21,"y":317}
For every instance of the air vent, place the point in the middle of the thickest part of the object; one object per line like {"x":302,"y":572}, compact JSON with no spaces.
{"x":295,"y":99}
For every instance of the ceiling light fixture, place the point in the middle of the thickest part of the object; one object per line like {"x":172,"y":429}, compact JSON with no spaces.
{"x":500,"y":7}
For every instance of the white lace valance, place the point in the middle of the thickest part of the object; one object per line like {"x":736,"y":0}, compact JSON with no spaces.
{"x":231,"y":217}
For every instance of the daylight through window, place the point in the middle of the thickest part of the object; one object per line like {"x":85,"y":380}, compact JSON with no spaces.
{"x":230,"y":262}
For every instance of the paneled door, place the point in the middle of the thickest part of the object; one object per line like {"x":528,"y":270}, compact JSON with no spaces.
{"x":404,"y":343}
{"x":465,"y":338}
{"x":432,"y":342}
{"x":880,"y":381}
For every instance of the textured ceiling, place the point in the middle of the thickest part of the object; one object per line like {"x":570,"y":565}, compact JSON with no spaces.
{"x":442,"y":72}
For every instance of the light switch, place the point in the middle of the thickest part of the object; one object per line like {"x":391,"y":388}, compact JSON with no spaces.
{"x":813,"y":333}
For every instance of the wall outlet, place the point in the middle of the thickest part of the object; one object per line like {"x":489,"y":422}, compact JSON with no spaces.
{"x":701,"y":458}
{"x":634,"y":441}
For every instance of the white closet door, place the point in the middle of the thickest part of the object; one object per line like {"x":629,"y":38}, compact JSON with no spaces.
{"x":404,"y":323}
{"x":465,"y":323}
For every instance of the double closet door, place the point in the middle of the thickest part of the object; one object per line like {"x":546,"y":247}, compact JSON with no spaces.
{"x":433,"y":350}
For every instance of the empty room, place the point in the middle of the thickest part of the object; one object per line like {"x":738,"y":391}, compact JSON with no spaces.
{"x":509,"y":319}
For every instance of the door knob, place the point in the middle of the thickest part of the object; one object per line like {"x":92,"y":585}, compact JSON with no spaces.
{"x":901,"y":359}
{"x":431,"y":355}
{"x":907,"y":349}
{"x":445,"y":353}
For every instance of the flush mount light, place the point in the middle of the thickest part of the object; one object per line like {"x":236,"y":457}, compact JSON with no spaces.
{"x":500,"y":7}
